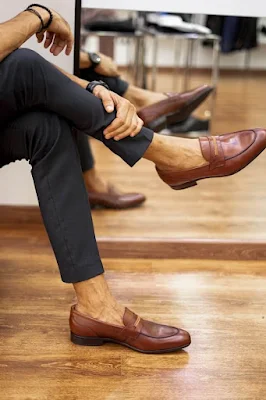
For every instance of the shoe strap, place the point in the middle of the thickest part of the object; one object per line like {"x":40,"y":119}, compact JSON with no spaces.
{"x":212,"y":151}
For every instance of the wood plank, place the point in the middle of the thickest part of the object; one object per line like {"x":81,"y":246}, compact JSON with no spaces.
{"x":140,"y":247}
{"x":221,"y":303}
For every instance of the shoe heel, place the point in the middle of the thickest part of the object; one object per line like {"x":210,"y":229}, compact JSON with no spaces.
{"x":184,"y":186}
{"x":86,"y":341}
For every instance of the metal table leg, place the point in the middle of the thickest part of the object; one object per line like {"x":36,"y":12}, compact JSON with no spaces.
{"x":137,"y":60}
{"x":189,"y":59}
{"x":154,"y":63}
{"x":215,"y":77}
{"x":177,"y":61}
{"x":143,"y":82}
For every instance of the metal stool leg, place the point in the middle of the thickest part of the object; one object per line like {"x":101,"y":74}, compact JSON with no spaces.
{"x":215,"y":77}
{"x":178,"y":46}
{"x":137,"y":60}
{"x":187,"y":71}
{"x":143,"y":76}
{"x":154,"y":63}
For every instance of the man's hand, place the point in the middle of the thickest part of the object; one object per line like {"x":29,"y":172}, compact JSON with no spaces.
{"x":127,"y":122}
{"x":58,"y":36}
{"x":107,"y":66}
{"x":19,"y":29}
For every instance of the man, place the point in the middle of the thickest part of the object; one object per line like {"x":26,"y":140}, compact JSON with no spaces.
{"x":151,"y":107}
{"x":41,"y":110}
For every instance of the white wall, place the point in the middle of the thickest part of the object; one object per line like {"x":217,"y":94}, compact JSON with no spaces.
{"x":202,"y":56}
{"x":16,"y":185}
{"x":256,"y":8}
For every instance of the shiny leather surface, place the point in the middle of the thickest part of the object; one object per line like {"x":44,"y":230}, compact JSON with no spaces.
{"x":113,"y":199}
{"x":226,"y":154}
{"x":183,"y":103}
{"x":137,"y":333}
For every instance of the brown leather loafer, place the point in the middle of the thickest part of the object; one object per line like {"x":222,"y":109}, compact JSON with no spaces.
{"x":177,"y":107}
{"x":115,"y":200}
{"x":226,"y":154}
{"x":137,"y":333}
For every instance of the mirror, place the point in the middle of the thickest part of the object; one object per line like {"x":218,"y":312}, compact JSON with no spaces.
{"x":157,"y":53}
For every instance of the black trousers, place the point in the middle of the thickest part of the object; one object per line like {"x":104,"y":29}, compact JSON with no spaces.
{"x":41,"y":114}
{"x":115,"y":84}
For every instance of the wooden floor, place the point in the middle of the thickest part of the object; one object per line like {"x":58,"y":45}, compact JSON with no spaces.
{"x":221,"y":303}
{"x":228,"y":208}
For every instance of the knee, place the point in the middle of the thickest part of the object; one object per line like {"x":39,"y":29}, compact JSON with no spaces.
{"x":43,"y":131}
{"x":24,"y":57}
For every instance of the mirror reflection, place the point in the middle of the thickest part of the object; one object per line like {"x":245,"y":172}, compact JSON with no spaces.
{"x":188,"y":76}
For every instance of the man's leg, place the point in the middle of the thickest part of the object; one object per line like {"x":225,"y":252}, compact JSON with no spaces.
{"x":28,"y":81}
{"x":101,"y":192}
{"x":47,"y":141}
{"x":92,"y":179}
{"x":85,"y":152}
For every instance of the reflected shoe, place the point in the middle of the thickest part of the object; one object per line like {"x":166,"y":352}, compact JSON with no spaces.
{"x":114,"y":199}
{"x":175,"y":108}
{"x":226,"y":155}
{"x":137,"y":333}
{"x":191,"y":124}
{"x":175,"y":23}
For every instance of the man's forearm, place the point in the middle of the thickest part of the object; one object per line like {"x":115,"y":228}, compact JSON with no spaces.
{"x":18,"y":30}
{"x":84,"y":61}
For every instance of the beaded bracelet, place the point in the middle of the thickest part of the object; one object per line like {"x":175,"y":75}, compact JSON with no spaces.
{"x":43,"y":25}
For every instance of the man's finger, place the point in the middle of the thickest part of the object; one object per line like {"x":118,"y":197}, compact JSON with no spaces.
{"x":140,"y":124}
{"x":40,"y":37}
{"x":57,"y":46}
{"x":69,"y":46}
{"x":48,"y":40}
{"x":106,"y":98}
{"x":114,"y":126}
{"x":133,"y":128}
{"x":125,"y":111}
{"x":127,"y":127}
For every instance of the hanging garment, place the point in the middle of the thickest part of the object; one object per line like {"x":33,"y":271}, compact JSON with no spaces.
{"x":237,"y":33}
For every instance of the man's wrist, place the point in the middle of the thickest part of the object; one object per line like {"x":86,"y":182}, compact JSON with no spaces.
{"x":44,"y":13}
{"x":92,"y":85}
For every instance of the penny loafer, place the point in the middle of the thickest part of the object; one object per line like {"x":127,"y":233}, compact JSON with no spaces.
{"x":113,"y":199}
{"x":226,"y":155}
{"x":175,"y":108}
{"x":137,"y":333}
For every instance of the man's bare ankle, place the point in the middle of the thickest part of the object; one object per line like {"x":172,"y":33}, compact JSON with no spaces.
{"x":88,"y":310}
{"x":112,"y":314}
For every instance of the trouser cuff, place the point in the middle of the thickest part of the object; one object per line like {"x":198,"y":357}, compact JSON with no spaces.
{"x":81,"y":274}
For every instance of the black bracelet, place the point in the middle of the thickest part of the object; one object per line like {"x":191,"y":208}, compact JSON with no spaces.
{"x":44,"y":26}
{"x":39,"y":16}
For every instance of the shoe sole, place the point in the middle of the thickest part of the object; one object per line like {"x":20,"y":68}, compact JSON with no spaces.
{"x":114,"y":207}
{"x":91,"y":341}
{"x":187,"y":185}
